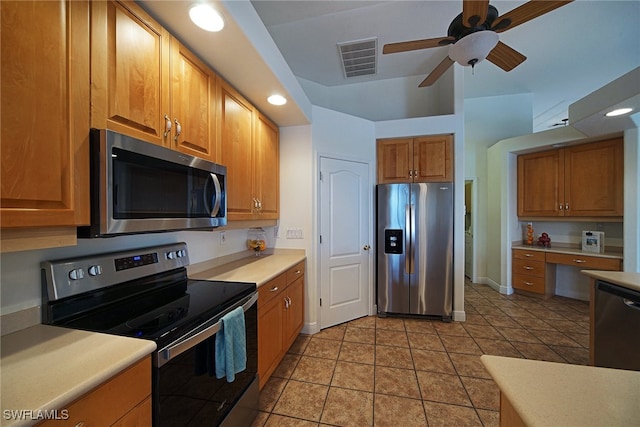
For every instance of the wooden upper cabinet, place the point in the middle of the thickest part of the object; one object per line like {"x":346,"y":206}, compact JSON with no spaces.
{"x":432,"y":160}
{"x":585,"y":180}
{"x":420,"y":159}
{"x":541,"y":184}
{"x":193,"y":104}
{"x":594,"y":179}
{"x":395,"y":160}
{"x":45,"y":114}
{"x":236,"y":152}
{"x":129,"y":71}
{"x":267,"y":171}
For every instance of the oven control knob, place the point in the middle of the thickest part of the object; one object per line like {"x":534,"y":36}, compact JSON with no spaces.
{"x":171,"y":255}
{"x":76,"y":274}
{"x":180,"y":253}
{"x":95,"y":270}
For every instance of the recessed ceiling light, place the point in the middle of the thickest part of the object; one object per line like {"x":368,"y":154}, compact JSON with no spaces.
{"x":206,"y":17}
{"x":619,"y":112}
{"x":277,"y":100}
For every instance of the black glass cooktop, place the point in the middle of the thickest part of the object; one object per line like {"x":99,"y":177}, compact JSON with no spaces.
{"x":161,"y":308}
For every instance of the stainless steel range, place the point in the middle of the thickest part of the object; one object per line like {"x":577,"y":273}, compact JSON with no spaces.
{"x":145,"y":293}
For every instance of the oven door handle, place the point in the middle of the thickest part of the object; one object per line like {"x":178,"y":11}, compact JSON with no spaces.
{"x":180,"y":346}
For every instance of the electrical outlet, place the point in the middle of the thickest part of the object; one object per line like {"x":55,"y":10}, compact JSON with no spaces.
{"x":223,"y":237}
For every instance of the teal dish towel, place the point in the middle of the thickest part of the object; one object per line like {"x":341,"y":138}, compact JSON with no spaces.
{"x":231,"y":345}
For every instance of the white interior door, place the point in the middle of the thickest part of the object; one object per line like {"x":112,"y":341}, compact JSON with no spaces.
{"x":345,"y":216}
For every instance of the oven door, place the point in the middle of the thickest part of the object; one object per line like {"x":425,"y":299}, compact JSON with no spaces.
{"x":186,"y":391}
{"x":139,"y":187}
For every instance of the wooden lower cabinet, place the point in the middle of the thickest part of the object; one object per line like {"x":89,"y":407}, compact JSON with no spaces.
{"x":123,"y":401}
{"x":280,"y":318}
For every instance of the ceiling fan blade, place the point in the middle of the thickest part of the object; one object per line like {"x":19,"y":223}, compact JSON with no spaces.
{"x":417,"y":44}
{"x":474,"y":12}
{"x":505,"y":57}
{"x":437,"y":72}
{"x":528,"y":11}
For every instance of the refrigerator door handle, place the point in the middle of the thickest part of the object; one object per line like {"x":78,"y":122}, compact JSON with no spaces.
{"x":412,"y":244}
{"x":408,"y":266}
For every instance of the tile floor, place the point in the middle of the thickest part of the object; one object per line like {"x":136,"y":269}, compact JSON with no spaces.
{"x":412,"y":372}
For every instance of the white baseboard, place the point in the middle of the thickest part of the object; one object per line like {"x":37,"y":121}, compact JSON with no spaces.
{"x":506,"y":290}
{"x":459,"y":315}
{"x":310,"y":328}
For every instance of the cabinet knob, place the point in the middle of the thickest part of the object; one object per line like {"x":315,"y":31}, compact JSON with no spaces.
{"x":526,"y":267}
{"x":579,"y":261}
{"x":566,"y":206}
{"x":561,"y":207}
{"x":528,"y":255}
{"x":275,"y":288}
{"x":528,"y":283}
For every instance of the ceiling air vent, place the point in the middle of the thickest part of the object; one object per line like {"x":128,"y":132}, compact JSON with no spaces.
{"x":358,"y":57}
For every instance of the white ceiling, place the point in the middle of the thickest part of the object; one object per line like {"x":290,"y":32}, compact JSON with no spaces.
{"x":571,"y":52}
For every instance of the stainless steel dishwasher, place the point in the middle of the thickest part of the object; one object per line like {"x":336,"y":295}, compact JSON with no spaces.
{"x":617,"y":327}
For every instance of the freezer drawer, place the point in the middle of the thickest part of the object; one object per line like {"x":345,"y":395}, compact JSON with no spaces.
{"x":616,"y":327}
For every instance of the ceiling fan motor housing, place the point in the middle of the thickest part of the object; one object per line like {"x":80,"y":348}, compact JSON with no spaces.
{"x":458,"y":30}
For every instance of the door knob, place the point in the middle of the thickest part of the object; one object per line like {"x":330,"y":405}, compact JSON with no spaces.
{"x":366,"y":247}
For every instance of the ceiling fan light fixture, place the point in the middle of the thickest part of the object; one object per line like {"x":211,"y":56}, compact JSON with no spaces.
{"x":206,"y":17}
{"x":473,"y":48}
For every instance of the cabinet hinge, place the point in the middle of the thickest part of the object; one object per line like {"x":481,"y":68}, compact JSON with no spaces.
{"x":321,"y":239}
{"x":320,"y":176}
{"x":320,"y":302}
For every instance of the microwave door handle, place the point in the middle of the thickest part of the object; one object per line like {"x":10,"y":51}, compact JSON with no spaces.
{"x":216,"y":203}
{"x":181,"y":346}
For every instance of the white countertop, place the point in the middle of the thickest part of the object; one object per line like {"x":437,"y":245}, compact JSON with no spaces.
{"x":252,"y":269}
{"x":559,"y":394}
{"x":47,"y":367}
{"x":567,"y":249}
{"x":621,"y":278}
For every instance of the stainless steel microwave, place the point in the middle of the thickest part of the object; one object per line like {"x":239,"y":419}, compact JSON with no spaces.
{"x":139,"y":187}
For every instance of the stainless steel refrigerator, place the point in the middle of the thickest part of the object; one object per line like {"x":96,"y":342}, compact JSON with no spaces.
{"x":415,"y":249}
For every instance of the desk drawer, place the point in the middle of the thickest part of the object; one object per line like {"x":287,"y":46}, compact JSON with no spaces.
{"x":585,"y":261}
{"x":530,"y":268}
{"x":528,"y":283}
{"x":527,"y":254}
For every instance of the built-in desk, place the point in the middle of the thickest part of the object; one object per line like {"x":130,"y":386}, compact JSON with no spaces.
{"x":534,"y":267}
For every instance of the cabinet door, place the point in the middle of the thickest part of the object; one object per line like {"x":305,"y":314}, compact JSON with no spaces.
{"x":432,"y":161}
{"x":395,"y":160}
{"x":271,"y":318}
{"x":45,"y":113}
{"x":594,"y":179}
{"x":129,"y":71}
{"x":267,"y":168}
{"x":295,"y":311}
{"x":193,"y":103}
{"x":541,"y":184}
{"x":236,"y":152}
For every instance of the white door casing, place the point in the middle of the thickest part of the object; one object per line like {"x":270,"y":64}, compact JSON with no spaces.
{"x":345,"y":255}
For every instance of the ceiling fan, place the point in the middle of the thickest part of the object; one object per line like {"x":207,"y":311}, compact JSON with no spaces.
{"x":473,"y":36}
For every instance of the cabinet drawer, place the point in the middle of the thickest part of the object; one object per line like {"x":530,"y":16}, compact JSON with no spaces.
{"x":585,"y":261}
{"x":294,"y":272}
{"x":271,"y":289}
{"x":530,"y":268}
{"x":528,"y":283}
{"x":527,"y":254}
